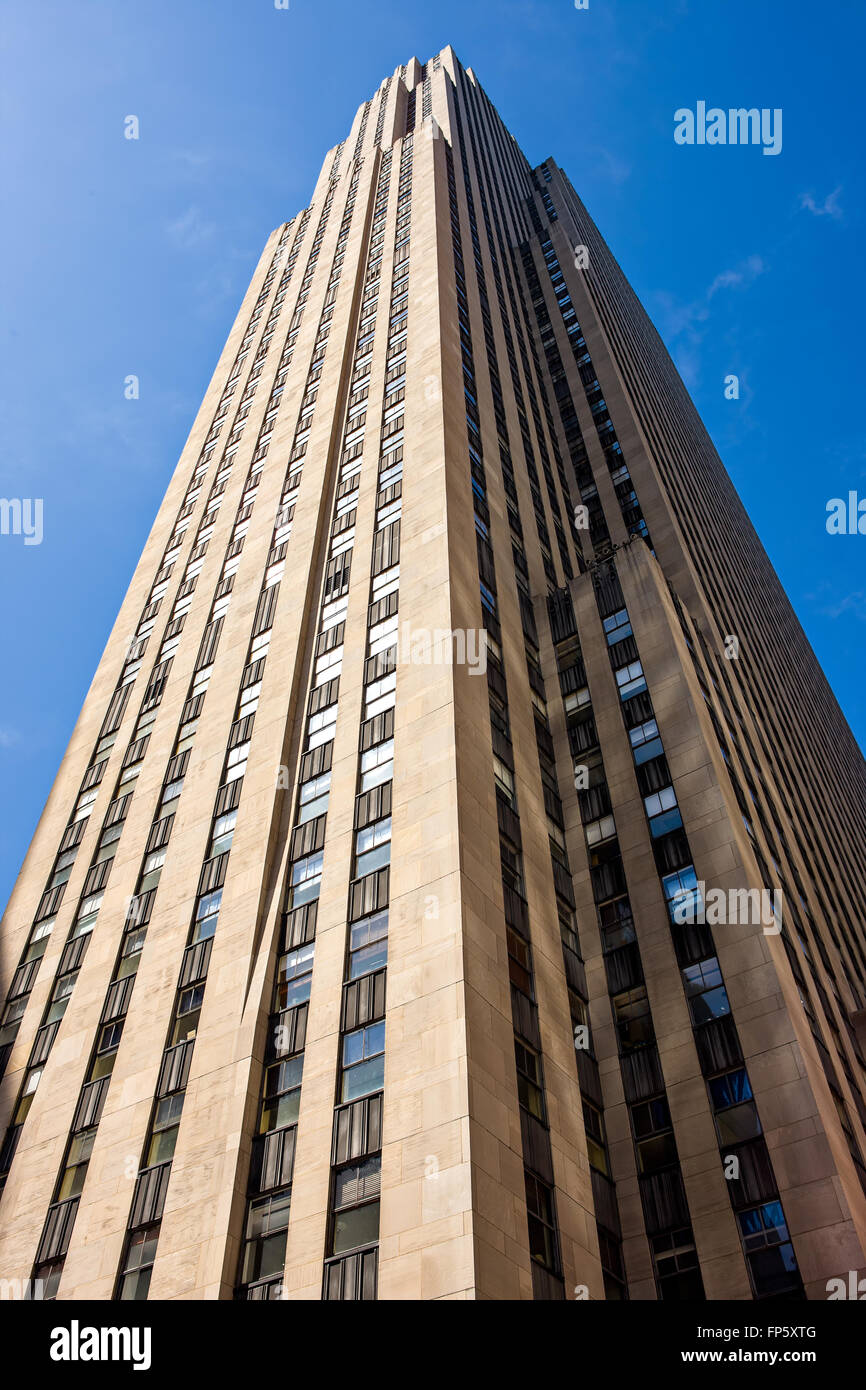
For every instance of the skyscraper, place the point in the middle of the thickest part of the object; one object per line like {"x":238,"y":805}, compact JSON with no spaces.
{"x":453,"y":885}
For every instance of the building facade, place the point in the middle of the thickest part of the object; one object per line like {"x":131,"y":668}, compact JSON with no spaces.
{"x":453,"y":885}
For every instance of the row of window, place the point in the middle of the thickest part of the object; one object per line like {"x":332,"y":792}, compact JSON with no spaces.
{"x":529,"y":1065}
{"x":538,"y":1171}
{"x":267,"y":1216}
{"x":97,"y":877}
{"x":620,"y":477}
{"x":118,"y":998}
{"x":655,"y":1149}
{"x":146,"y":1213}
{"x":735,"y":1115}
{"x":792,"y":928}
{"x":353,"y":1225}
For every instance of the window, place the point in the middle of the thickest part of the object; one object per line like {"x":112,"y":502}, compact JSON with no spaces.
{"x":48,"y":1276}
{"x":519,"y":963}
{"x":129,"y":774}
{"x":593,"y":776}
{"x":617,"y":923}
{"x":633,"y":1019}
{"x":654,"y":1136}
{"x":329,"y":665}
{"x":188,"y":1010}
{"x":206,"y":914}
{"x":313,"y":798}
{"x":131,"y":955}
{"x":736,"y":1116}
{"x":320,"y":726}
{"x":265,"y":1238}
{"x":60,"y":997}
{"x":294,"y":977}
{"x":567,"y":925}
{"x":368,"y":944}
{"x":617,"y":626}
{"x":166,"y":1124}
{"x":382,"y":635}
{"x":730,"y":1089}
{"x":529,"y":1083}
{"x":75,"y":1168}
{"x":11,"y":1015}
{"x":512,"y":866}
{"x":676,"y":1265}
{"x":682,"y":895}
{"x":306,"y":879}
{"x":377,"y":765}
{"x":29,"y":1090}
{"x":630,"y":679}
{"x":504,"y":777}
{"x":662,"y":800}
{"x":152,"y":869}
{"x":222,"y":834}
{"x":707,"y":996}
{"x":106,"y":1047}
{"x":542,"y":1223}
{"x":282,"y":1094}
{"x":593,"y":1125}
{"x":63,"y":867}
{"x":249,"y":700}
{"x":576,"y":699}
{"x":363,"y":1062}
{"x":598,"y":830}
{"x":499,"y":721}
{"x":42,"y":929}
{"x":739,"y":1123}
{"x":356,"y":1205}
{"x":236,"y":761}
{"x":373,"y":847}
{"x":138,"y":1265}
{"x":769,"y":1252}
{"x":379,"y":695}
{"x":87,"y":914}
{"x":645,"y":741}
{"x":85,"y":802}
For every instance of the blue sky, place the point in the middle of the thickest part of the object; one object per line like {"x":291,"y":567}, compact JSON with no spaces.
{"x":124,"y":257}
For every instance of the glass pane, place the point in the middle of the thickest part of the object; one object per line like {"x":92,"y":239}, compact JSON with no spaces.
{"x":738,"y":1122}
{"x":363,"y":1079}
{"x":358,"y":1226}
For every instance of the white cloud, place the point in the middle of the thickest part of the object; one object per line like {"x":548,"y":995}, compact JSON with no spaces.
{"x":829,"y":208}
{"x":853,"y":604}
{"x":744,"y":274}
{"x":190,"y":230}
{"x":683,"y":326}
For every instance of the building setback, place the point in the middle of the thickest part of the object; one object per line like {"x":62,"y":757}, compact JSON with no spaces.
{"x":356,"y":956}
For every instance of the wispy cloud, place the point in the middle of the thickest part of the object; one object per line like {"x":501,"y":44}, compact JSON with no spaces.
{"x":191,"y":160}
{"x":829,"y":208}
{"x":8,"y":737}
{"x":190,"y":230}
{"x":612,"y":167}
{"x":744,"y":274}
{"x":683,"y":325}
{"x":840,"y":606}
